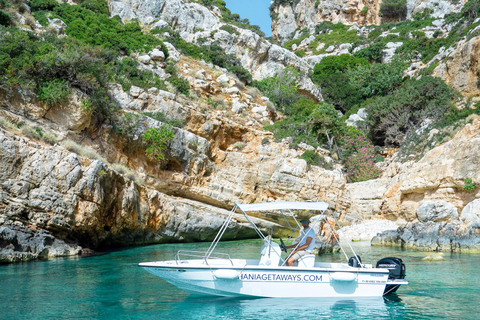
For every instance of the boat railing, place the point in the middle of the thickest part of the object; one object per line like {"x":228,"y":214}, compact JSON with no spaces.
{"x":202,"y":255}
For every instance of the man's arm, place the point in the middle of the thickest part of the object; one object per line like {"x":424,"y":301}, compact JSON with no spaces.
{"x":303,"y":246}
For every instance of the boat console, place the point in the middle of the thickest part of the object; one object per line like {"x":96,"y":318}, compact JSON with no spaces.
{"x":270,"y":254}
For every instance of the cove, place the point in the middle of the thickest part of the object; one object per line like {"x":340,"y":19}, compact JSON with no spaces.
{"x":111,"y":286}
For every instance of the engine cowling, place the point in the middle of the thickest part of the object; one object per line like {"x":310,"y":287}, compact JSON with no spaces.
{"x":396,"y":269}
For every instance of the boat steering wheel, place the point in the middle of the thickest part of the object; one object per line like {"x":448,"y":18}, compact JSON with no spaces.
{"x":282,"y":245}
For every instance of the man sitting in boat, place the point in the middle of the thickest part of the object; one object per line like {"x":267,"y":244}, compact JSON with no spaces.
{"x":307,"y":243}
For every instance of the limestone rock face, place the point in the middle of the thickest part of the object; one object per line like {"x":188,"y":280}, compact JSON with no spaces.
{"x":438,"y":8}
{"x":432,"y":236}
{"x":438,"y":176}
{"x":436,"y":211}
{"x":275,"y":172}
{"x":185,"y":15}
{"x":471,"y":213}
{"x":461,"y":67}
{"x":19,"y":243}
{"x":48,"y":194}
{"x":296,"y":15}
{"x":290,"y":17}
{"x":256,"y":54}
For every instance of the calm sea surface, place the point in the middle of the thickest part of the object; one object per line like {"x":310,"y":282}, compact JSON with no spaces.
{"x":111,"y":286}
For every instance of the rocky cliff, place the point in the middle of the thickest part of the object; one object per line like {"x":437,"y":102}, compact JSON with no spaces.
{"x":297,"y":15}
{"x":194,"y":22}
{"x":60,"y":199}
{"x":291,"y":16}
{"x":52,"y":199}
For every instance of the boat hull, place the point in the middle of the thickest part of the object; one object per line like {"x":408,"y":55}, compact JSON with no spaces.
{"x":279,"y":282}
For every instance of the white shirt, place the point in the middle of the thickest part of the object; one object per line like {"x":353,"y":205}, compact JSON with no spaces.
{"x":309,"y":232}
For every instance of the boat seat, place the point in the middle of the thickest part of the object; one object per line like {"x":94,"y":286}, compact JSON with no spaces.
{"x":307,"y":261}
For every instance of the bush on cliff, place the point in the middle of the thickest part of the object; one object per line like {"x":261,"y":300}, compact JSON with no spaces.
{"x":156,"y":141}
{"x":53,"y":66}
{"x":393,"y":9}
{"x":376,"y":79}
{"x":330,"y":75}
{"x":5,"y":18}
{"x":404,"y":110}
{"x":212,"y":53}
{"x":281,"y":89}
{"x":89,"y":22}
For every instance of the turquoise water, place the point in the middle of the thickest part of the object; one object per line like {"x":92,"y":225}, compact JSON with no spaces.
{"x":111,"y":286}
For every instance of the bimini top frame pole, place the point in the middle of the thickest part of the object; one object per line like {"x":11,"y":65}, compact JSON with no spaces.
{"x":220,"y":233}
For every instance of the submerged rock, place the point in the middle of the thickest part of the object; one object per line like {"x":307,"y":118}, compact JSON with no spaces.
{"x":434,"y":257}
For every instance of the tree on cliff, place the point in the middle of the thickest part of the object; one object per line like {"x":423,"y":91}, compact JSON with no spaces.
{"x":394,"y":9}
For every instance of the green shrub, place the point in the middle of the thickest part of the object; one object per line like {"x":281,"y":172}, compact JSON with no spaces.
{"x":393,"y":9}
{"x":97,"y":6}
{"x":5,"y":18}
{"x":332,"y":34}
{"x":471,"y":9}
{"x":324,"y":122}
{"x":281,"y":89}
{"x":394,"y":116}
{"x":54,"y":66}
{"x":156,"y":141}
{"x":54,"y":92}
{"x":128,"y":123}
{"x":295,"y":124}
{"x":300,"y":53}
{"x":311,"y":157}
{"x":181,"y":84}
{"x":47,"y":5}
{"x":377,"y":79}
{"x":469,"y":185}
{"x":423,"y":46}
{"x":372,"y":53}
{"x":127,"y":73}
{"x":213,"y":53}
{"x":229,"y":29}
{"x":341,"y":63}
{"x":89,"y":22}
{"x":330,"y":74}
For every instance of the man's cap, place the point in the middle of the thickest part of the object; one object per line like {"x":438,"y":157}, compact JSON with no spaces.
{"x":304,"y":220}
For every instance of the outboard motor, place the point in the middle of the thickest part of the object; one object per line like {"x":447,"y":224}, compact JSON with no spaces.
{"x":355,"y":262}
{"x":396,"y":269}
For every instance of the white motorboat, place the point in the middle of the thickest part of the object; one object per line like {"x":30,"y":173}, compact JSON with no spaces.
{"x":218,"y":274}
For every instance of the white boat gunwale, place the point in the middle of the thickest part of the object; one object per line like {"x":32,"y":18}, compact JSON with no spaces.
{"x":252,"y":268}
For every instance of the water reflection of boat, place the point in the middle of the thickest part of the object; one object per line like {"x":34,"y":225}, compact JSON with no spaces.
{"x":284,"y":308}
{"x":213,"y":273}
